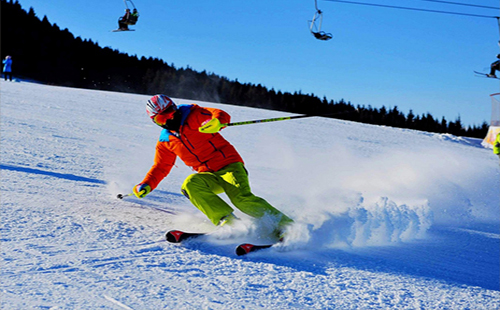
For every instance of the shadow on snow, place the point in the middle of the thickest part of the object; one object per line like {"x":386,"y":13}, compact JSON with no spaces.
{"x":452,"y":255}
{"x":65,"y":176}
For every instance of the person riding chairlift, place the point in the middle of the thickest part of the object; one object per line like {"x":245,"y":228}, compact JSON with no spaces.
{"x":133,"y":17}
{"x":495,"y":66}
{"x":128,"y":19}
{"x":123,"y":21}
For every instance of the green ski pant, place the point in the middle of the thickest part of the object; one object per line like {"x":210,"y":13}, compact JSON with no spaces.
{"x":203,"y":188}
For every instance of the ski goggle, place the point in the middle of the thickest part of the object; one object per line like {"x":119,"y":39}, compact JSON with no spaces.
{"x":162,"y":118}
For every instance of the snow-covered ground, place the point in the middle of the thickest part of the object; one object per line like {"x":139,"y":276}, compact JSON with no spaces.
{"x":385,"y":218}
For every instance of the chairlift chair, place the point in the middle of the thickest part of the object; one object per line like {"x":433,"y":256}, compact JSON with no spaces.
{"x":134,"y":16}
{"x":316,"y":24}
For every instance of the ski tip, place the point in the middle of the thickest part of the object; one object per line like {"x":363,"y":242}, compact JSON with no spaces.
{"x":174,"y":236}
{"x":177,"y":236}
{"x":244,"y":249}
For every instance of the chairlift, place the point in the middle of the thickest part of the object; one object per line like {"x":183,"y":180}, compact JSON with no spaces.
{"x":130,"y":17}
{"x":134,"y":16}
{"x":316,"y":23}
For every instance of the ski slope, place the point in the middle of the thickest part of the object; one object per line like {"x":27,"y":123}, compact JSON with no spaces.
{"x":385,"y":218}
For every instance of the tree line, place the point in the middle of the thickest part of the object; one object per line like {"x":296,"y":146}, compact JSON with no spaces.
{"x":42,"y":51}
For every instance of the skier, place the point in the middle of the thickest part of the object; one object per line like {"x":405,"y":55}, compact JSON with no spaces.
{"x":191,"y":132}
{"x":495,"y":66}
{"x":496,"y":146}
{"x":123,"y":20}
{"x":7,"y":68}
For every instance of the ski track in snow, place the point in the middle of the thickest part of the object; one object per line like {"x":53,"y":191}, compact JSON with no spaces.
{"x":385,"y":217}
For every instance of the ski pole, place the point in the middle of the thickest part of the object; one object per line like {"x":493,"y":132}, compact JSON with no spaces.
{"x":267,"y":120}
{"x":121,"y":196}
{"x":282,"y":118}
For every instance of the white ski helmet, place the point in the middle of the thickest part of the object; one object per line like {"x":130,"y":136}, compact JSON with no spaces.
{"x":159,"y":104}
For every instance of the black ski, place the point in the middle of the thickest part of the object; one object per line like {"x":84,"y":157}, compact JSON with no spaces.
{"x":177,"y":236}
{"x":485,"y":75}
{"x":246,"y":248}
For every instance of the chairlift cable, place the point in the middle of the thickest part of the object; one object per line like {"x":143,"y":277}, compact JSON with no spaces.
{"x":464,"y":4}
{"x":413,"y":9}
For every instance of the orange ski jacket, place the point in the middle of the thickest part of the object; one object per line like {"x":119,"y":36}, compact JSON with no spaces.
{"x":201,"y":151}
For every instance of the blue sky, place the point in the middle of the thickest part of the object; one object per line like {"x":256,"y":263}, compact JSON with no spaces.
{"x":378,"y":56}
